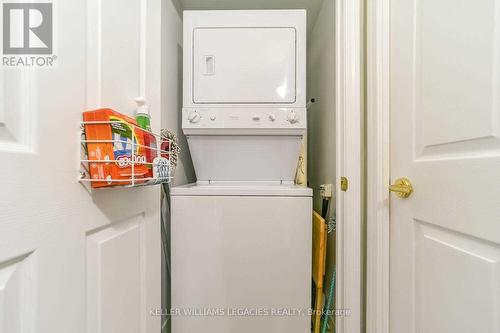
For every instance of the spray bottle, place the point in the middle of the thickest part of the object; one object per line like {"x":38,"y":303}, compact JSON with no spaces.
{"x":143,"y":119}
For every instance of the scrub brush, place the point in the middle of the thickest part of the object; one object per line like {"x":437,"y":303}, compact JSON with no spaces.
{"x":170,"y":143}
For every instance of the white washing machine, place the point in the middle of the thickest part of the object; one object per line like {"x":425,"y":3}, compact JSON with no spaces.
{"x":241,"y":237}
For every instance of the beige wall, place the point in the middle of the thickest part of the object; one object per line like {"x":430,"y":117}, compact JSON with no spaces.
{"x":172,"y":86}
{"x":321,"y":116}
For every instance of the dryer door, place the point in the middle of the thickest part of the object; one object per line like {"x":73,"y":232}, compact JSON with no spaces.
{"x":251,"y":65}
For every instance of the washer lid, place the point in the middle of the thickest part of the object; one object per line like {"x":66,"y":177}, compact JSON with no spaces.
{"x":241,"y":189}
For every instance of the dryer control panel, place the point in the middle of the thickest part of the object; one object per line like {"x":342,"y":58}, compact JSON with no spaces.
{"x":243,"y":118}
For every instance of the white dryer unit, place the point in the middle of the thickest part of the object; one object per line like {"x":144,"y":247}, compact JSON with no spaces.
{"x":241,"y":236}
{"x":245,"y":58}
{"x":244,"y":93}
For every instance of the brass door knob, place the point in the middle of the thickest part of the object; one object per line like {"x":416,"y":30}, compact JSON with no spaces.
{"x":402,"y":187}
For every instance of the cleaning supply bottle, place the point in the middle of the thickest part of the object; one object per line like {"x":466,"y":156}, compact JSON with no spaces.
{"x":142,"y":115}
{"x":143,"y":120}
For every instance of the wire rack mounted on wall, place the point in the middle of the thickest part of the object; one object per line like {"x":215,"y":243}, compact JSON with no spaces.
{"x":118,"y":153}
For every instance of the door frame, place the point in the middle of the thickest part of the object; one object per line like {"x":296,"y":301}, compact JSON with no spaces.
{"x":378,"y":165}
{"x":349,"y":20}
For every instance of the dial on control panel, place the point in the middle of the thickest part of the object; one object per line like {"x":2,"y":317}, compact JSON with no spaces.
{"x":194,"y":117}
{"x":293,"y":117}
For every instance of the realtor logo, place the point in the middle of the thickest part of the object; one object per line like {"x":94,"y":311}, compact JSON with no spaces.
{"x":28,"y":30}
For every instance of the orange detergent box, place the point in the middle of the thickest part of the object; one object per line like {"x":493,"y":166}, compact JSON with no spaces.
{"x":123,"y":145}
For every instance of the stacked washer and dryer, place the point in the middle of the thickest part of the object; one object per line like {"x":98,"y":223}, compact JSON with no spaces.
{"x":241,"y":236}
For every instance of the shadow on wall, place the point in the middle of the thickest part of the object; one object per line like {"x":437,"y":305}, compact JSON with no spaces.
{"x":185,"y":168}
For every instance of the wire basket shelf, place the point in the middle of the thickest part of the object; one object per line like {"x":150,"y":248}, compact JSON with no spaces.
{"x":110,"y":162}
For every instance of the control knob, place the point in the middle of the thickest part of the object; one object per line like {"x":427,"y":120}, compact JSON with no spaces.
{"x":293,"y":117}
{"x":194,"y":117}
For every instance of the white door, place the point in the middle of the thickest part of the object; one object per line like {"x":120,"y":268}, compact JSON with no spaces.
{"x":445,"y":138}
{"x":70,"y":260}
